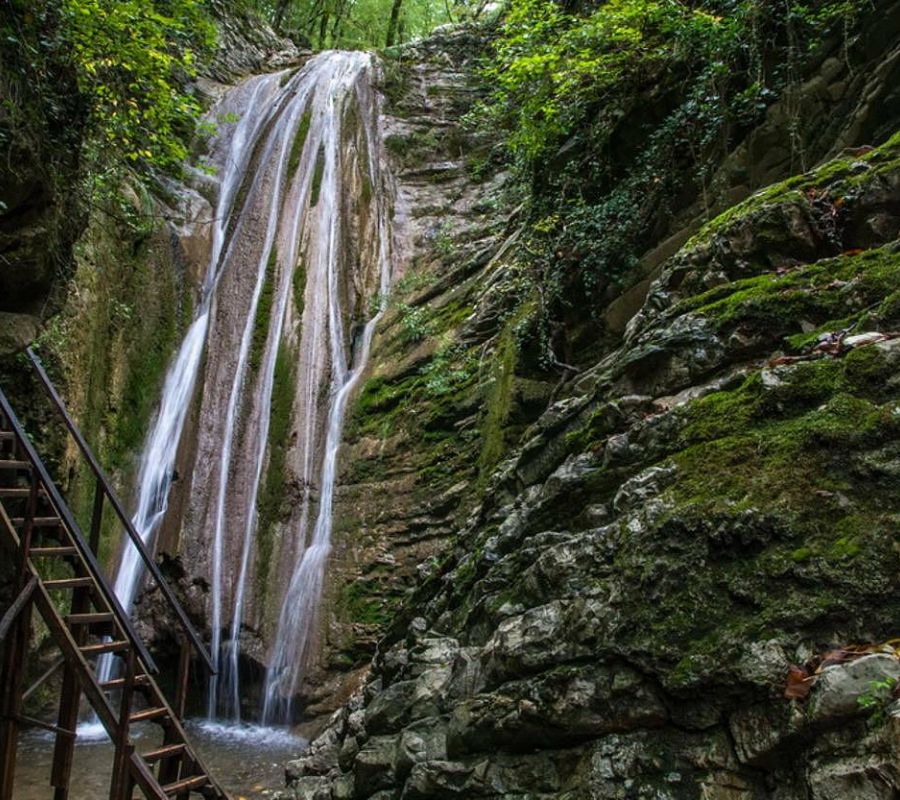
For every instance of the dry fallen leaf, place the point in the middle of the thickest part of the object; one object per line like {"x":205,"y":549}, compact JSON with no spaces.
{"x":798,"y":683}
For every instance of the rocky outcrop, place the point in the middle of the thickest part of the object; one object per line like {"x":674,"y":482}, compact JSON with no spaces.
{"x":707,"y":506}
{"x":447,"y":228}
{"x":449,"y":392}
{"x":246,"y":45}
{"x":41,"y":127}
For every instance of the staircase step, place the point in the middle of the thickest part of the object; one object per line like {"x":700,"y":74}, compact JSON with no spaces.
{"x":105,"y":647}
{"x":69,"y":583}
{"x":7,"y":436}
{"x":13,"y":492}
{"x":149,"y":713}
{"x":14,"y":465}
{"x":185,"y":784}
{"x":53,"y":551}
{"x":38,"y":522}
{"x":100,"y":623}
{"x":118,"y":683}
{"x":169,"y":751}
{"x":91,"y":618}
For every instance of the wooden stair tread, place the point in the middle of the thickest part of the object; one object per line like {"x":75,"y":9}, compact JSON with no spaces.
{"x":38,"y":522}
{"x":53,"y":551}
{"x":106,"y":647}
{"x":194,"y":782}
{"x":167,"y":751}
{"x":69,"y":583}
{"x":90,"y":618}
{"x":117,"y":683}
{"x":11,"y":464}
{"x":149,"y":713}
{"x":14,"y":491}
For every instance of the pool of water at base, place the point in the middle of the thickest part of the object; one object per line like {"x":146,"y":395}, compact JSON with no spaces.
{"x":247,"y":760}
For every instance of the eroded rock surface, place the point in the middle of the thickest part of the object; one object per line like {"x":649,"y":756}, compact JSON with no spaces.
{"x":711,"y":503}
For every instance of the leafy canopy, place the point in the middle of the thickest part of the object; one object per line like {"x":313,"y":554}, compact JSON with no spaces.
{"x":133,"y":60}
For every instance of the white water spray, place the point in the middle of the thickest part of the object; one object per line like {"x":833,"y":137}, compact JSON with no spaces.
{"x":157,"y":465}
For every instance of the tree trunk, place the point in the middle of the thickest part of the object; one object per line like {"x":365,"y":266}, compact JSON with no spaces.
{"x":392,"y":25}
{"x":280,"y":10}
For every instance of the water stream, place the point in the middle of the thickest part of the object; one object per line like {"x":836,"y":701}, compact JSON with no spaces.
{"x":230,"y":154}
{"x":247,"y":761}
{"x":298,"y":270}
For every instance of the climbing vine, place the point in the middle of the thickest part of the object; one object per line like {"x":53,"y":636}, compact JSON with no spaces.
{"x":616,"y":115}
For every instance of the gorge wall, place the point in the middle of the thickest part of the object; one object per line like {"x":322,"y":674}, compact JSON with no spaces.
{"x":586,"y":578}
{"x":614,"y":573}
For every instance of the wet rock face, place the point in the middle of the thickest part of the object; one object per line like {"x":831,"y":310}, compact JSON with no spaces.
{"x":40,"y":215}
{"x":712,"y":503}
{"x":404,"y":476}
{"x":246,"y":46}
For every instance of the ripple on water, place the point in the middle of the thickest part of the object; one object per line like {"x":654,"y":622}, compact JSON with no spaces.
{"x":248,"y":760}
{"x":244,"y":733}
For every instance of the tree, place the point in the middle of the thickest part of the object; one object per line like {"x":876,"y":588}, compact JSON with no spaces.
{"x":392,"y":25}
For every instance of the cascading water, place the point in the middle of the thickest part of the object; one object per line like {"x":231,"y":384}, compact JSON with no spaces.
{"x":230,"y":155}
{"x":310,"y":212}
{"x":300,"y":247}
{"x":298,"y":609}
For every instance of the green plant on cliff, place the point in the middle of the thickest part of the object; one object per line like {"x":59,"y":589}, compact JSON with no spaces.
{"x":553,"y":70}
{"x":617,"y":114}
{"x":131,"y":61}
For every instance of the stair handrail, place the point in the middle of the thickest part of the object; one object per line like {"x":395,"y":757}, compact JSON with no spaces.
{"x":149,"y":562}
{"x":84,"y":549}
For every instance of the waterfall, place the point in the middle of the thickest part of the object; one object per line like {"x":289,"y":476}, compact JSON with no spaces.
{"x":298,"y":609}
{"x":302,"y":215}
{"x":157,"y":463}
{"x":300,"y":193}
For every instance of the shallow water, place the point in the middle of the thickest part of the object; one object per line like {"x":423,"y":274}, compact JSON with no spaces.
{"x":247,"y":760}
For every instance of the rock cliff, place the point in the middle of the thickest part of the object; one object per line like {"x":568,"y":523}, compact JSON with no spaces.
{"x":614,"y":574}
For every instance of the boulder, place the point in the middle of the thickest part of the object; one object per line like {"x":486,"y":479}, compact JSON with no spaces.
{"x":838,"y":689}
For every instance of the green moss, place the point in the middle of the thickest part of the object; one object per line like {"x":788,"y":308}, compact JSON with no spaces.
{"x":364,"y":602}
{"x":271,"y":502}
{"x":317,"y":178}
{"x":778,"y":485}
{"x":366,"y":189}
{"x":499,"y":400}
{"x":263,"y":312}
{"x":839,"y":178}
{"x":821,"y":293}
{"x":299,"y":142}
{"x":298,"y":285}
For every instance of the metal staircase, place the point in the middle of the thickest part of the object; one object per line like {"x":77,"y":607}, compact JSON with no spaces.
{"x":57,"y":573}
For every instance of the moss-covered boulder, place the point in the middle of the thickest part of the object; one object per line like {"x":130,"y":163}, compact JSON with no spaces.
{"x":713,"y":503}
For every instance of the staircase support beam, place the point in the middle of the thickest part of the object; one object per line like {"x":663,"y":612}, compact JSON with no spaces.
{"x":11,"y":683}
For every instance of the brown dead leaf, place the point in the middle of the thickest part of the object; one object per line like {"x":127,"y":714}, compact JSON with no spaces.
{"x":799,"y":683}
{"x":832,"y":657}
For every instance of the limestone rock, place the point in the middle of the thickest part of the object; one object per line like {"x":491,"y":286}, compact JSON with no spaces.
{"x":838,"y":689}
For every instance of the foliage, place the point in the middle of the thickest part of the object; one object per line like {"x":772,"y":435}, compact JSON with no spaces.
{"x":449,"y":369}
{"x":553,"y":70}
{"x":114,"y":72}
{"x":877,"y":697}
{"x":617,"y":114}
{"x":360,"y":24}
{"x":414,"y":324}
{"x":133,"y":59}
